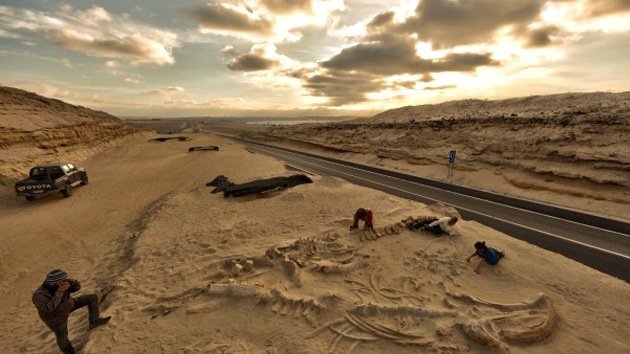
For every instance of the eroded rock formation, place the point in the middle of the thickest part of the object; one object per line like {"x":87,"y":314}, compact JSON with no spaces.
{"x":35,"y":129}
{"x":573,"y":138}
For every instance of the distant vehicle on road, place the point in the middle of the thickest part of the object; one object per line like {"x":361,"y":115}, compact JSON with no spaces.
{"x":46,"y":179}
{"x":203,"y":148}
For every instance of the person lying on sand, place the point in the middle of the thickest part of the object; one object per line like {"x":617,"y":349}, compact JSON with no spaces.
{"x":433,"y":224}
{"x":366,"y":216}
{"x":488,"y":254}
{"x":54,"y":305}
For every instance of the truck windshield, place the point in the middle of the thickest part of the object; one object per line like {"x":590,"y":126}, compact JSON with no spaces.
{"x":39,"y":174}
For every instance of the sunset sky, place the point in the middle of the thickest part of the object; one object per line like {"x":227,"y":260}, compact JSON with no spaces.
{"x":308,"y":57}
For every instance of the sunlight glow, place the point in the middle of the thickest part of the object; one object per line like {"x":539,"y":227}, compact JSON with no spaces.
{"x":553,"y":13}
{"x":425,"y":51}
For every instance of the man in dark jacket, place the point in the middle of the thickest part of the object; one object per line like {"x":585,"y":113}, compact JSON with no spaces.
{"x":54,"y":305}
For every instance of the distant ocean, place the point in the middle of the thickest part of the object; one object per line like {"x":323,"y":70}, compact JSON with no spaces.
{"x":292,"y":121}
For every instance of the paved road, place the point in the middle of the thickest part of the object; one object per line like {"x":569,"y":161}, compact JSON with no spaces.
{"x":598,"y":242}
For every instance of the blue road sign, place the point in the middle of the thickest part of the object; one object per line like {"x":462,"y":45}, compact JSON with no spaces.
{"x":451,"y":157}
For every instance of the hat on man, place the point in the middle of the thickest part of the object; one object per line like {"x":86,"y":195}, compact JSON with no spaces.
{"x":55,"y":275}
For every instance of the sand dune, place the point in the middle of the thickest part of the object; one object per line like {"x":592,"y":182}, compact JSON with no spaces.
{"x":183,"y":270}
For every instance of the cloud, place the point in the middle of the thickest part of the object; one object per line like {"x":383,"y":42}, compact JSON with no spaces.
{"x":30,"y":55}
{"x":596,"y":8}
{"x":437,"y":88}
{"x":454,"y":22}
{"x":427,"y":78}
{"x":541,"y":37}
{"x":287,"y":6}
{"x":341,"y":87}
{"x":262,"y":56}
{"x":251,"y":62}
{"x":452,"y":38}
{"x":393,"y":55}
{"x":5,"y":34}
{"x":263,"y":20}
{"x":134,"y":47}
{"x":382,"y":19}
{"x":93,"y":32}
{"x":165,"y":91}
{"x":449,"y":23}
{"x":223,"y":19}
{"x":94,"y":15}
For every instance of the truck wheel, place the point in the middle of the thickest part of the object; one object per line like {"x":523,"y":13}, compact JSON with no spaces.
{"x":84,"y":180}
{"x":30,"y":198}
{"x":67,"y":192}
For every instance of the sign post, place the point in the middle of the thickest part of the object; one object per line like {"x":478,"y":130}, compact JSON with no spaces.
{"x":452,"y":155}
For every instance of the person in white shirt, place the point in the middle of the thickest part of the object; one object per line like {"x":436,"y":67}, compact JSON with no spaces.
{"x":444,"y":225}
{"x":433,"y":224}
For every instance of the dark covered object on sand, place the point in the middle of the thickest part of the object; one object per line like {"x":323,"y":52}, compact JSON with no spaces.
{"x":165,"y":138}
{"x":228,"y":188}
{"x":203,"y":148}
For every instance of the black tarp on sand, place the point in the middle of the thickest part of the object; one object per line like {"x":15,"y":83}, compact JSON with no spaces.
{"x":228,"y":188}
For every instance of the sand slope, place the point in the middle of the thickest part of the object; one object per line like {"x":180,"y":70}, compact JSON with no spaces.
{"x":182,"y":270}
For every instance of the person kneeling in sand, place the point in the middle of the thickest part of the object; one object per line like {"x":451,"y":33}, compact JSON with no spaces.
{"x":54,"y":305}
{"x":488,"y":254}
{"x":366,"y":216}
{"x":434,"y":225}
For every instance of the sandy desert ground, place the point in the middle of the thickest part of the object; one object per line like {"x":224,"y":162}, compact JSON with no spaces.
{"x":183,"y":270}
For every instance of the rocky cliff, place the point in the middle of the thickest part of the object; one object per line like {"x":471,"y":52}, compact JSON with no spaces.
{"x":568,"y":143}
{"x":36,"y":129}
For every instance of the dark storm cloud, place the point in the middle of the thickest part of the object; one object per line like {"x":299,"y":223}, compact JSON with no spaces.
{"x":389,"y":48}
{"x":341,"y":87}
{"x":454,"y":22}
{"x":251,"y":62}
{"x":382,"y":19}
{"x":606,"y":7}
{"x":363,"y":68}
{"x":394,"y":55}
{"x":217,"y":17}
{"x":541,"y":37}
{"x":287,"y":6}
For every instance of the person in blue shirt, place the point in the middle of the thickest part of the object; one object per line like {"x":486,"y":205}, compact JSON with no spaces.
{"x":488,"y":254}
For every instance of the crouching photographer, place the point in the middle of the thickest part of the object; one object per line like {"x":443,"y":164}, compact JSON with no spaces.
{"x":54,"y":305}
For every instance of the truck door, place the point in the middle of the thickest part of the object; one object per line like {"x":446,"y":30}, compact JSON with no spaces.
{"x":56,"y":173}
